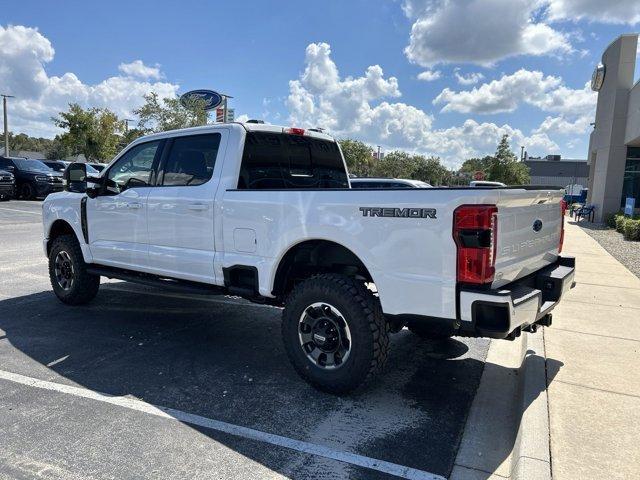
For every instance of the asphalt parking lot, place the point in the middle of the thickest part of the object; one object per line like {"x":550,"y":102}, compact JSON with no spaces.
{"x":78,"y":386}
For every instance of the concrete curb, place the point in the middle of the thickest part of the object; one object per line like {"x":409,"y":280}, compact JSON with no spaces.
{"x":531,"y":458}
{"x":507,"y":432}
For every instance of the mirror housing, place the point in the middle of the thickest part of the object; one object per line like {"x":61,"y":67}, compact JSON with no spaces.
{"x":75,"y":178}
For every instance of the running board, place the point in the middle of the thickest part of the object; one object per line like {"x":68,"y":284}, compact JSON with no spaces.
{"x":150,"y":280}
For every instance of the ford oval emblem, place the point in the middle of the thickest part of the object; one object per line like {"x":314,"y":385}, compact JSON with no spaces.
{"x":212,"y":99}
{"x":537,"y":225}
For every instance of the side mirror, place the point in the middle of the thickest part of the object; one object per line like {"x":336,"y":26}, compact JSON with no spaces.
{"x":75,"y":178}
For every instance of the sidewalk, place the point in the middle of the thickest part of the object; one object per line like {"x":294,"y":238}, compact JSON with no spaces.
{"x":593,"y":368}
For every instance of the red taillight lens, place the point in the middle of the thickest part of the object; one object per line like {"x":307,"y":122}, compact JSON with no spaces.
{"x":563,"y":210}
{"x":294,"y":131}
{"x":475,"y":233}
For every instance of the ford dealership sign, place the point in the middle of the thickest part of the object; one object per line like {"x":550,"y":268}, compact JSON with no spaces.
{"x":212,"y":99}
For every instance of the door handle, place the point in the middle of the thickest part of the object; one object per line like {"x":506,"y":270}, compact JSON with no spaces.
{"x":198,"y":206}
{"x":135,"y":205}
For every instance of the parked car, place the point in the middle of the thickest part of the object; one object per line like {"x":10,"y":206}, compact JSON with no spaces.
{"x":486,"y":183}
{"x":7,"y":185}
{"x":33,"y":178}
{"x":361,"y":182}
{"x":266,"y":213}
{"x":57,"y":165}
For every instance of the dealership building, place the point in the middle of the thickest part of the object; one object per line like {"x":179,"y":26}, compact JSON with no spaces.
{"x":614,"y":145}
{"x":557,"y":171}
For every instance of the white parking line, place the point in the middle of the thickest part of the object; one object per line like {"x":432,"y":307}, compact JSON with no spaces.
{"x":237,"y":430}
{"x":21,"y":211}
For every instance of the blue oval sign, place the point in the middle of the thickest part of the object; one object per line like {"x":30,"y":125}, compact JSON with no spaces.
{"x":212,"y":99}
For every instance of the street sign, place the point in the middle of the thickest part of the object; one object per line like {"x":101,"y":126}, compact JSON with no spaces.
{"x":212,"y":99}
{"x":629,"y":206}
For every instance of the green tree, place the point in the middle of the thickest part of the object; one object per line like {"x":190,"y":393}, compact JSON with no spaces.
{"x":359,"y":157}
{"x":94,"y":132}
{"x":505,"y":167}
{"x":22,"y":141}
{"x":396,"y":164}
{"x":159,"y":115}
{"x":429,"y":170}
{"x":57,"y":149}
{"x":473,"y":165}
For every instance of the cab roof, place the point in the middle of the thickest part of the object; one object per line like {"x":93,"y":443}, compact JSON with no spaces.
{"x":248,"y":127}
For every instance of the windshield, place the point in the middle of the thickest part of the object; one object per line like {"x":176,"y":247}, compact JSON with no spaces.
{"x":34,"y":165}
{"x":92,"y":171}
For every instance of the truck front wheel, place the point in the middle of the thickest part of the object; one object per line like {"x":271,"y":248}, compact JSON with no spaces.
{"x":335,"y":333}
{"x":67,"y":271}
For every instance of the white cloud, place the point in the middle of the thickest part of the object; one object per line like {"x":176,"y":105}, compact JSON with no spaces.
{"x":429,"y":75}
{"x":480,"y":32}
{"x":469,"y":79}
{"x":524,"y":86}
{"x":358,"y":107}
{"x":612,"y":11}
{"x":24,"y":52}
{"x":561,"y":126}
{"x":138,"y":69}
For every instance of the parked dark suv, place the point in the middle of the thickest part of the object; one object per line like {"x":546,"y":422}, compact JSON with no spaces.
{"x":7,"y":185}
{"x":33,"y":178}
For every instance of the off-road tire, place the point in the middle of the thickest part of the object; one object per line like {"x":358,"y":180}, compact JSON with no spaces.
{"x":429,"y":331}
{"x":84,"y":286}
{"x":368,"y":328}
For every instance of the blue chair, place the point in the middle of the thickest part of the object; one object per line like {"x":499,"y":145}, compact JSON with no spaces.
{"x":586,"y":211}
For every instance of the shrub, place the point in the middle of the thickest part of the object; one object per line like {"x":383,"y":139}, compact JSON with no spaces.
{"x":610,"y":219}
{"x":632,"y":229}
{"x":620,"y":221}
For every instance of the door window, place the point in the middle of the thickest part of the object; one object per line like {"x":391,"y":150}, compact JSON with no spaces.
{"x":134,"y":168}
{"x":191,"y":160}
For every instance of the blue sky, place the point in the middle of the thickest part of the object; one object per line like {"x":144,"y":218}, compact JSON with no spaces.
{"x":311,"y":64}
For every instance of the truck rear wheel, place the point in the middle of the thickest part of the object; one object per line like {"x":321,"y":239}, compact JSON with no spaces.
{"x":334,"y":333}
{"x":67,"y":271}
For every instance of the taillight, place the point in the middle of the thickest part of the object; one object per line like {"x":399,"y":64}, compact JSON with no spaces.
{"x":563,"y":210}
{"x":294,"y":131}
{"x":475,"y":232}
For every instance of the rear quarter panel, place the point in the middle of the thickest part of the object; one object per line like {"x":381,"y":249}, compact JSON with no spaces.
{"x":412,"y":260}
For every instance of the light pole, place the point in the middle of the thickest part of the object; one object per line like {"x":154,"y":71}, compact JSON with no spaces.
{"x":6,"y":125}
{"x":126,"y":123}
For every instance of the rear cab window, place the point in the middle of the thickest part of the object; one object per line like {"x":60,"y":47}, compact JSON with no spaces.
{"x":274,"y":160}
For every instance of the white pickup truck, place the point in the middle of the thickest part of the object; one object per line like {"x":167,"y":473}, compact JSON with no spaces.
{"x":267,"y":213}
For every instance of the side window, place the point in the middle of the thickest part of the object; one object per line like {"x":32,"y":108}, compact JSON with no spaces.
{"x":134,"y":168}
{"x":261,"y":161}
{"x":191,"y":160}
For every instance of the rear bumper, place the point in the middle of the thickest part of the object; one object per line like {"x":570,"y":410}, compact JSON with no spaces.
{"x":505,"y":311}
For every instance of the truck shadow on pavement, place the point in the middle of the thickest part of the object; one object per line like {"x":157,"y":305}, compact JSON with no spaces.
{"x":223,"y":359}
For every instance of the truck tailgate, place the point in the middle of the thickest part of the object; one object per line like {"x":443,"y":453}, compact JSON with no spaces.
{"x":529,"y":226}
